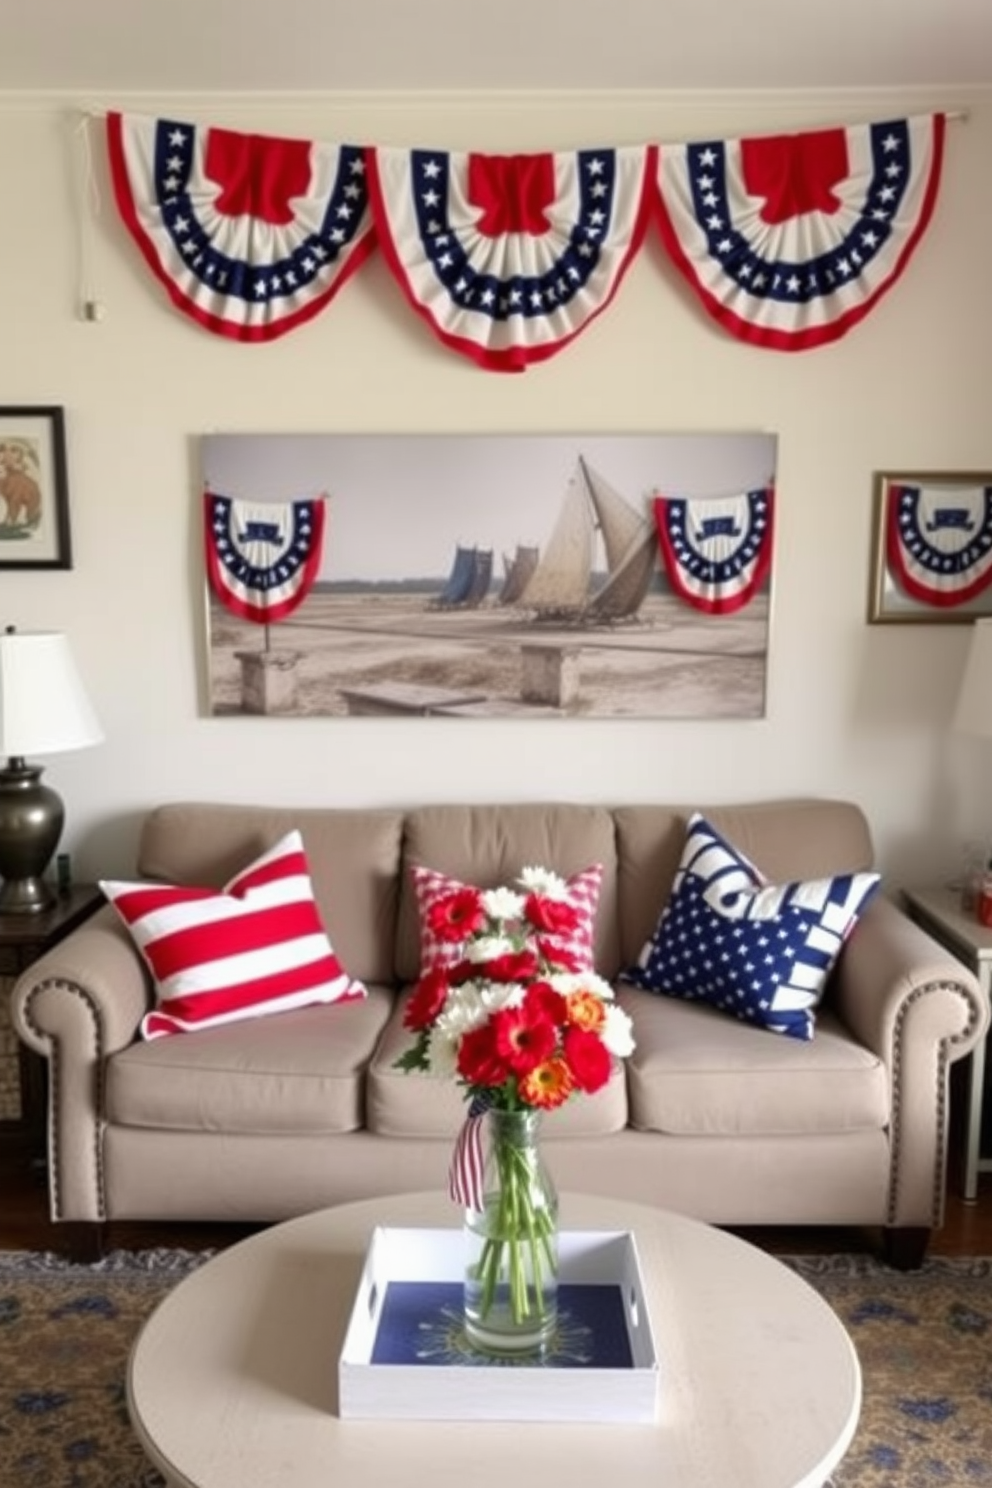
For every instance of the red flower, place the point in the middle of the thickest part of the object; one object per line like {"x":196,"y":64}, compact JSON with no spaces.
{"x":462,"y":971}
{"x":588,"y":1059}
{"x":458,"y":915}
{"x":549,"y":1085}
{"x":515,"y":966}
{"x":525,"y":1036}
{"x":553,"y":915}
{"x":541,"y":999}
{"x":479,"y":1063}
{"x":426,"y":1000}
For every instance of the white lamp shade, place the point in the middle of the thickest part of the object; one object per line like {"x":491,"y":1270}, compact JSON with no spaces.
{"x":973,"y":714}
{"x":43,"y":705}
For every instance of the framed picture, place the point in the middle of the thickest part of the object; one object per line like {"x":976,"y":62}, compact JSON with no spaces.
{"x":931,"y":547}
{"x":34,"y":497}
{"x":518,"y":576}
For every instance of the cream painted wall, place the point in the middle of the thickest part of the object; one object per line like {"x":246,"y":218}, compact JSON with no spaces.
{"x":853,"y":710}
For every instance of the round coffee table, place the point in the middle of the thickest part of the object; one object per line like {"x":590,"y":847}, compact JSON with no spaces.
{"x":233,"y":1380}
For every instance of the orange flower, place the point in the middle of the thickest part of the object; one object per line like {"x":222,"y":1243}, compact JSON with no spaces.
{"x":585,"y":1010}
{"x":549,"y":1085}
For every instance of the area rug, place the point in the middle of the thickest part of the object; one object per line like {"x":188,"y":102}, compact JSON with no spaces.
{"x":924,"y":1339}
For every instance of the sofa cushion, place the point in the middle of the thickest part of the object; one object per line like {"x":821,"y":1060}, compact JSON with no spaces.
{"x":294,"y":1073}
{"x":404,"y":1104}
{"x":256,"y":948}
{"x":785,"y":840}
{"x":695,"y":1072}
{"x":761,"y":952}
{"x":354,"y":857}
{"x":440,"y":898}
{"x":489,"y":845}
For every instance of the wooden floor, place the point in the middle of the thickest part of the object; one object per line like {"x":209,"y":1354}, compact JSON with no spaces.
{"x":24,"y":1225}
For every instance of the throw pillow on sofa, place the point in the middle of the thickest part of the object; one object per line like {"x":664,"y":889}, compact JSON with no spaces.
{"x":760,"y":951}
{"x":257,"y":946}
{"x":442,"y":900}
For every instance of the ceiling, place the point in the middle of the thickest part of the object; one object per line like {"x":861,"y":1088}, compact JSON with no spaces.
{"x":110,"y":47}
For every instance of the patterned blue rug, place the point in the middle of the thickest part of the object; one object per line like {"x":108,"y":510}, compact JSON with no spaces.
{"x":924,"y":1339}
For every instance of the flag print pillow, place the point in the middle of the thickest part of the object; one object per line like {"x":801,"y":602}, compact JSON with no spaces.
{"x":440,"y":900}
{"x":760,"y":951}
{"x":257,"y":946}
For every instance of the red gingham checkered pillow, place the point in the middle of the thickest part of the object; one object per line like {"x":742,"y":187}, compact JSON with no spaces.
{"x":258,"y":946}
{"x":583,"y":893}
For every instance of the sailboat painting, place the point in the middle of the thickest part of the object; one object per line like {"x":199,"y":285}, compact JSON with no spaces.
{"x":486,"y":576}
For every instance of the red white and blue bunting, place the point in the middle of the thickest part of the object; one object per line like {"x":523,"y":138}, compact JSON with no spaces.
{"x":250,"y":235}
{"x":717,"y":551}
{"x":262,"y":557}
{"x":939,"y":541}
{"x":790,"y":240}
{"x":787,"y":240}
{"x":509,"y":257}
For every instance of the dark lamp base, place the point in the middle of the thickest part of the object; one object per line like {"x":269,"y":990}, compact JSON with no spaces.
{"x":31,"y":817}
{"x":25,"y":896}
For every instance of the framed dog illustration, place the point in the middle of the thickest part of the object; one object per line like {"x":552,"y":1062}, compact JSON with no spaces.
{"x":34,"y":497}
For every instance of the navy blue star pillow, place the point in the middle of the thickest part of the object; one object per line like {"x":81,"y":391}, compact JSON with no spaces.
{"x":760,"y":951}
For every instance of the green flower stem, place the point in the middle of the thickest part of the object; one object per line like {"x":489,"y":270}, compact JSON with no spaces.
{"x":520,"y":1230}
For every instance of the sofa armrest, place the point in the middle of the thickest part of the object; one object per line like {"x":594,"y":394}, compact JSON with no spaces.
{"x":919,"y":1009}
{"x":74,"y":1006}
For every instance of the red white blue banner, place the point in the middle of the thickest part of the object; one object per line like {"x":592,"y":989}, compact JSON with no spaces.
{"x":509,"y":257}
{"x":262,"y":557}
{"x":939,"y":541}
{"x":789,"y":240}
{"x":717,"y":551}
{"x":250,"y":235}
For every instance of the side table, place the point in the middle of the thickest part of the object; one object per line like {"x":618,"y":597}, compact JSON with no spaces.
{"x":939,"y":912}
{"x":23,"y":938}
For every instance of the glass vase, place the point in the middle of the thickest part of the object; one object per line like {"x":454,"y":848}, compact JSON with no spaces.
{"x":511,"y":1275}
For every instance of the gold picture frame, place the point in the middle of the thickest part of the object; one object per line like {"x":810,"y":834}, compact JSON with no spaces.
{"x":931,"y":556}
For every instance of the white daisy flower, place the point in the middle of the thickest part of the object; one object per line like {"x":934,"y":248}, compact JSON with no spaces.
{"x":581,"y":981}
{"x":503,"y":904}
{"x":442,"y":1054}
{"x":543,"y":881}
{"x":617,"y":1032}
{"x":488,"y":947}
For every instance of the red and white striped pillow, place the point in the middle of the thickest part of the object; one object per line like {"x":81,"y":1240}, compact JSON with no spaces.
{"x":583,"y":894}
{"x":257,"y":946}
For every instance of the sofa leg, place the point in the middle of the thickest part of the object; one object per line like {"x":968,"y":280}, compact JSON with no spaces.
{"x":905,"y":1247}
{"x":82,"y":1241}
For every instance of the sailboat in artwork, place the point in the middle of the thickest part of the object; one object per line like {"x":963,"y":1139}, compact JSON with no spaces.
{"x":561,"y":587}
{"x":517,"y":573}
{"x":468,"y":583}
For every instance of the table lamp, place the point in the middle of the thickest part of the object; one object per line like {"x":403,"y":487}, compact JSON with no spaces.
{"x":43,"y":710}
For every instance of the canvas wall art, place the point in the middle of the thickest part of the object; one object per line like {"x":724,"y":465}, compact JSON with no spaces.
{"x":488,"y":576}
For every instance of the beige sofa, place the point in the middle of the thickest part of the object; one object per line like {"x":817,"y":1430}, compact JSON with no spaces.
{"x":280,"y":1115}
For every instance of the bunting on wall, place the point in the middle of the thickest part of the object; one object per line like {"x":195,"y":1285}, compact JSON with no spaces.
{"x":790,"y":240}
{"x":787,"y":240}
{"x":250,"y":235}
{"x":939,"y":541}
{"x":262,"y":557}
{"x":509,"y":257}
{"x":716,"y":551}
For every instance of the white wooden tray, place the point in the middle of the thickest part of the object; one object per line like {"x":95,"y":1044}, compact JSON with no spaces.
{"x":594,"y":1372}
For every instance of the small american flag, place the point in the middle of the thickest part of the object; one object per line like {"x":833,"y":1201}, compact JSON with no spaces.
{"x":467,"y":1161}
